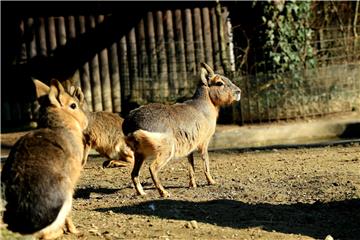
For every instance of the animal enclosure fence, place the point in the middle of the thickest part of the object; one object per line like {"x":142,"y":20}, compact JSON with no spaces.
{"x":157,"y":60}
{"x":333,"y":86}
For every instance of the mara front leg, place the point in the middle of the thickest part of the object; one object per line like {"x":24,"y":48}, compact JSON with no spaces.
{"x":205,"y":157}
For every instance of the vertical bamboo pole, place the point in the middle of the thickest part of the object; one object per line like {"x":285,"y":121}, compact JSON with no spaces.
{"x":173,"y":84}
{"x":143,"y":61}
{"x":32,"y":44}
{"x":28,"y":108}
{"x":207,"y":37}
{"x":215,"y":40}
{"x":124,"y":71}
{"x":25,"y":110}
{"x":181,"y":62}
{"x":115,"y":79}
{"x":61,"y":31}
{"x":85,"y":69}
{"x":95,"y":75}
{"x":199,"y":44}
{"x":189,"y":46}
{"x":152,"y":56}
{"x":71,"y":34}
{"x":163,"y":78}
{"x":60,"y":35}
{"x":105,"y":75}
{"x":230,"y":43}
{"x":51,"y":35}
{"x":133,"y":66}
{"x":22,"y":57}
{"x":41,"y":36}
{"x":222,"y":34}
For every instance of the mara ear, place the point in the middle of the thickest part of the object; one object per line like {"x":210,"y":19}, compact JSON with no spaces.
{"x":41,"y":88}
{"x":79,"y":94}
{"x":69,"y":87}
{"x":206,"y":73}
{"x":56,"y":90}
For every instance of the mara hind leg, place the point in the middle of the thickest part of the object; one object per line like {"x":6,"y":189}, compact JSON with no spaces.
{"x":192,"y":183}
{"x":139,"y":159}
{"x":205,"y":157}
{"x":162,"y":158}
{"x":115,"y":163}
{"x":69,"y":226}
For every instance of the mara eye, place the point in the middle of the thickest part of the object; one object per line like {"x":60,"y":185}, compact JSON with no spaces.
{"x":73,"y":105}
{"x":219,"y":84}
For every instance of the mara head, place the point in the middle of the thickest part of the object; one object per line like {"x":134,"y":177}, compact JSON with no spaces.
{"x":222,"y":91}
{"x":55,"y":100}
{"x":74,"y":91}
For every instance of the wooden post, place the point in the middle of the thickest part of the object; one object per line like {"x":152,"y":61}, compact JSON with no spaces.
{"x":124,"y":71}
{"x":32,"y":44}
{"x":24,"y":110}
{"x":199,"y":44}
{"x":104,"y":75}
{"x":152,"y":57}
{"x":173,"y":84}
{"x":115,"y":79}
{"x":41,"y":36}
{"x":143,"y":61}
{"x":51,"y":35}
{"x":215,"y":40}
{"x":61,"y":31}
{"x":181,"y":62}
{"x":133,"y":66}
{"x":71,"y":34}
{"x":95,"y":75}
{"x":22,"y":57}
{"x":163,"y":83}
{"x":207,"y":37}
{"x":189,"y":46}
{"x":222,"y":34}
{"x":85,"y":69}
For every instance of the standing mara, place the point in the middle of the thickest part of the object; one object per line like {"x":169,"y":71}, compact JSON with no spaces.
{"x":161,"y":132}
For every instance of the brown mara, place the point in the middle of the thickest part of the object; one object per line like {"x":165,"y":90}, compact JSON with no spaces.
{"x":161,"y":132}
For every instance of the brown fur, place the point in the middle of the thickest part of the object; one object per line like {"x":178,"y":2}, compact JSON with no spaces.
{"x":104,"y":134}
{"x":44,"y":166}
{"x":162,"y":132}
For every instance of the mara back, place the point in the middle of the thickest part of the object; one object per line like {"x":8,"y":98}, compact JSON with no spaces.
{"x":41,"y":171}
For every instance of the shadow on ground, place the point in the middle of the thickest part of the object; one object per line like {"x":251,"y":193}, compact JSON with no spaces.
{"x":339,"y":219}
{"x":85,"y":193}
{"x":352,"y":130}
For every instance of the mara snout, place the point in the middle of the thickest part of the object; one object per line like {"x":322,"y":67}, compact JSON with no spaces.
{"x":43,"y":167}
{"x":160,"y":132}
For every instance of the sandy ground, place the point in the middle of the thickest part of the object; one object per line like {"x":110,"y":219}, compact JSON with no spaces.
{"x":299,"y":193}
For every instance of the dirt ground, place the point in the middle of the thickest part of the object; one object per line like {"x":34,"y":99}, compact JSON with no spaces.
{"x":298,"y":193}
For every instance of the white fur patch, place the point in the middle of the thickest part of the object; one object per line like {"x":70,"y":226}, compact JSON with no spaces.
{"x":155,"y":136}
